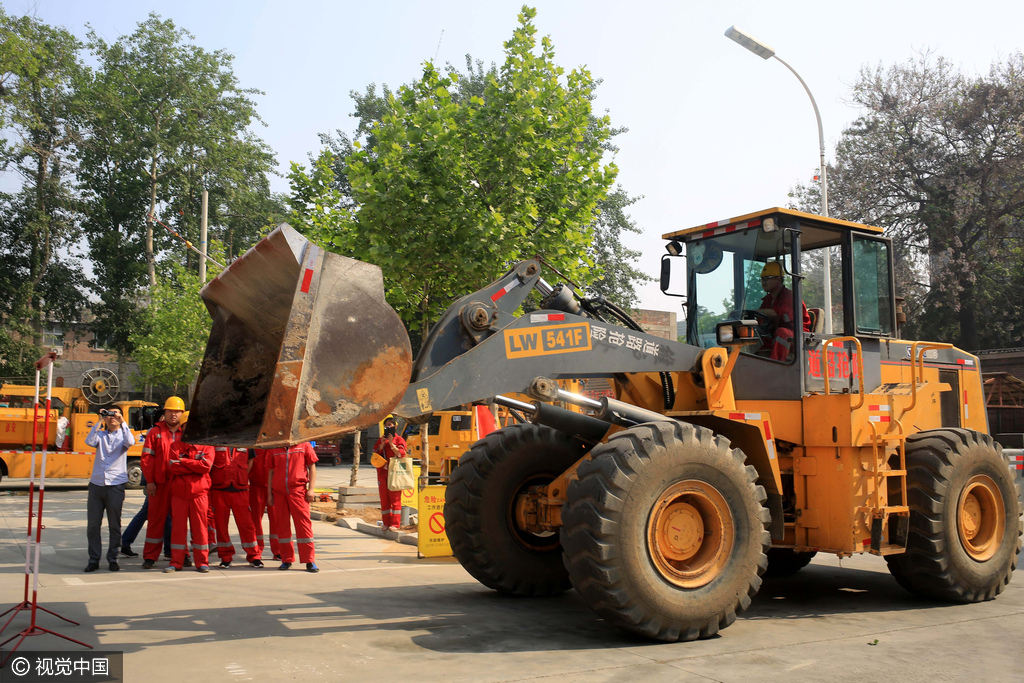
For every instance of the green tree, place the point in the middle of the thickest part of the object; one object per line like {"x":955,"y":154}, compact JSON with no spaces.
{"x":618,"y":276}
{"x":937,"y":159}
{"x":170,"y":342}
{"x":167,"y":120}
{"x":455,"y":188}
{"x":175,"y":114}
{"x":40,"y":110}
{"x":613,"y":276}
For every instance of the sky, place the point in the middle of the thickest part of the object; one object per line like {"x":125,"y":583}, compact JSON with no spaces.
{"x":714,"y":130}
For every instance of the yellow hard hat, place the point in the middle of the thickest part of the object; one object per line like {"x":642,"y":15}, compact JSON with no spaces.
{"x":773,"y":269}
{"x":174,"y":403}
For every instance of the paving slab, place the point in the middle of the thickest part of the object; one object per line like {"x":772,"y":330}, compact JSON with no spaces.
{"x":375,"y":611}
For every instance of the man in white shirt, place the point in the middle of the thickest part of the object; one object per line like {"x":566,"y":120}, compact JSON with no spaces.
{"x":107,"y":484}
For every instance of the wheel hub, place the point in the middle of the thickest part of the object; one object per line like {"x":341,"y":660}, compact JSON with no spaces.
{"x":690,"y":533}
{"x":523,"y":516}
{"x":681,"y":532}
{"x":981,"y":519}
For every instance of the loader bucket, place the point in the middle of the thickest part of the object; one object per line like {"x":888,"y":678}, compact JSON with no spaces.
{"x":303,"y":347}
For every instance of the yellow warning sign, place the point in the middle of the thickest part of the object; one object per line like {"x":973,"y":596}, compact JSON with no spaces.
{"x":423,"y":396}
{"x":433,"y":541}
{"x":410,"y":497}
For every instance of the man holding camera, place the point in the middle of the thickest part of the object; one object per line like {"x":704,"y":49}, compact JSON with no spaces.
{"x":107,"y":484}
{"x":388,"y":446}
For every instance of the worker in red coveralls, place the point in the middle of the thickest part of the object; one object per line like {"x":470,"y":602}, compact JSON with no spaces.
{"x":229,"y":495}
{"x":293,"y":479}
{"x":189,"y":467}
{"x":388,"y":446}
{"x":258,"y":503}
{"x":777,"y":306}
{"x":155,"y":456}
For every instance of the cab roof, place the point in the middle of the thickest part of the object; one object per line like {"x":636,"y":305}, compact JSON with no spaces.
{"x":752,"y":220}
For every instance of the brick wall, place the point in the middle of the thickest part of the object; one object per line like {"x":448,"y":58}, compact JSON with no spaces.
{"x":657,"y":323}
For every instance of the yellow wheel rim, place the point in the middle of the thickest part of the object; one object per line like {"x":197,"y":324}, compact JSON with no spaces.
{"x":981,"y":519}
{"x":690,"y":534}
{"x":99,"y":386}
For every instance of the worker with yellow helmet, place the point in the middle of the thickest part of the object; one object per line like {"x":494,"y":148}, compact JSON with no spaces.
{"x":155,"y":458}
{"x":777,"y":306}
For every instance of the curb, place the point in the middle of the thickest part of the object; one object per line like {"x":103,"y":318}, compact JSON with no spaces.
{"x":356,"y":524}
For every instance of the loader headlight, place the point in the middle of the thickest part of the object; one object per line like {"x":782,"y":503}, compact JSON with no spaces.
{"x":740,"y":332}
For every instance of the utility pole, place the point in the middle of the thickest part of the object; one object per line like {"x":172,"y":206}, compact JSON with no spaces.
{"x":202,"y":239}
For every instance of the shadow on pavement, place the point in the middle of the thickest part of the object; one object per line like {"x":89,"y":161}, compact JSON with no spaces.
{"x":819,"y":590}
{"x":466,"y":618}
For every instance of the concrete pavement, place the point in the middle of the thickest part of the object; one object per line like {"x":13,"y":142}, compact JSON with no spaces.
{"x":375,"y":611}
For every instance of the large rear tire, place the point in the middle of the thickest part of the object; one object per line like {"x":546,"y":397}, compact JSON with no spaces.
{"x":965,"y":528}
{"x":480,"y":509}
{"x":665,"y":531}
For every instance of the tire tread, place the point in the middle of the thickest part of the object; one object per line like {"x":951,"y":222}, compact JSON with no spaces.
{"x":590,"y":526}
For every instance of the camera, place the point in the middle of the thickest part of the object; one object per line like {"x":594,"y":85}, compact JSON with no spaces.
{"x":390,"y":431}
{"x":107,"y":413}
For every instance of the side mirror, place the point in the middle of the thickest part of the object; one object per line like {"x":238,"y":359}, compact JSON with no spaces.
{"x":673,"y":275}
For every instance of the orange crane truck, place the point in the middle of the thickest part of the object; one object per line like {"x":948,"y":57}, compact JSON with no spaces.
{"x":70,"y":422}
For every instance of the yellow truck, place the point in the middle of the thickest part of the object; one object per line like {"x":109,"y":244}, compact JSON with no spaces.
{"x":70,"y":422}
{"x":451,"y":433}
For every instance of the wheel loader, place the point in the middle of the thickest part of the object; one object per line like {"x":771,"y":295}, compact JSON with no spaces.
{"x":719,"y":459}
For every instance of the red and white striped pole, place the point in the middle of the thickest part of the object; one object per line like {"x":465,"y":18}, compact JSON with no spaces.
{"x":42,"y":481}
{"x":34,"y":630}
{"x":25,"y":604}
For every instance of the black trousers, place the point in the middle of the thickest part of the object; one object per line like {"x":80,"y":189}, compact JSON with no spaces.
{"x":109,"y":499}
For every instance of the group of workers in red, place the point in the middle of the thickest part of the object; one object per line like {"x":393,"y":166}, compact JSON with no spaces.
{"x":202,"y":487}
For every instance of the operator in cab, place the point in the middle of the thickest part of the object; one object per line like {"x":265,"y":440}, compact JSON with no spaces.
{"x":777,"y":306}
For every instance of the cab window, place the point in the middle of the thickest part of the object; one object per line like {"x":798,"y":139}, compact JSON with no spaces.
{"x":434,"y":427}
{"x":725,"y":284}
{"x":871,"y":287}
{"x":462,"y":423}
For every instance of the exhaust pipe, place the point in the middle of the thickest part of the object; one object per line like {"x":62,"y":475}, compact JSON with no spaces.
{"x":303,"y":347}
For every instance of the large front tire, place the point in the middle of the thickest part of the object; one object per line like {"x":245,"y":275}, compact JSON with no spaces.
{"x":665,"y":531}
{"x":480,"y":510}
{"x":965,"y":528}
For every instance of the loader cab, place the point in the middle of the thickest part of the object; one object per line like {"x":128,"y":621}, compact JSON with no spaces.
{"x":717,"y":269}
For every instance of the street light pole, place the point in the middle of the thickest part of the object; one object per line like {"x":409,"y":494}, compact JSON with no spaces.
{"x":765,"y":52}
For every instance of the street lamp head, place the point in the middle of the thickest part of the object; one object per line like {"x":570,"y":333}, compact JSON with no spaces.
{"x":747,"y":41}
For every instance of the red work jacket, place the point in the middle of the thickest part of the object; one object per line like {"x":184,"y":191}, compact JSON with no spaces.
{"x":289,"y":465}
{"x":156,"y":452}
{"x":399,"y":444}
{"x":260,"y":466}
{"x":230,"y":469}
{"x":783,"y":307}
{"x":189,"y":467}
